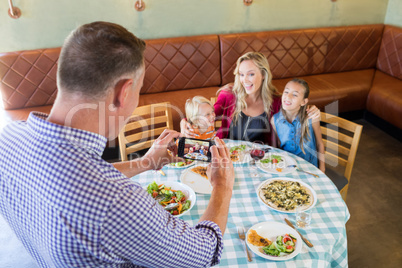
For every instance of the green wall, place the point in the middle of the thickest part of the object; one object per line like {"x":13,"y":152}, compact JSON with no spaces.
{"x":394,"y":13}
{"x":46,"y":23}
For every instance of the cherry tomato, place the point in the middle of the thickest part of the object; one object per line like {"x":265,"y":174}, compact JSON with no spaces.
{"x":154,"y":194}
{"x":274,"y":160}
{"x":175,"y":212}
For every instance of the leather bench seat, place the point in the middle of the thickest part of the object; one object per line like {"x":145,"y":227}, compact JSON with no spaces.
{"x":22,"y":114}
{"x":385,"y":98}
{"x":348,"y":89}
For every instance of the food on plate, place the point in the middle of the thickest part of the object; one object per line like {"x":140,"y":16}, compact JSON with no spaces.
{"x":182,"y":164}
{"x":174,"y":201}
{"x":236,"y":151}
{"x":283,"y":244}
{"x":255,"y":239}
{"x":200,"y":170}
{"x":285,"y":195}
{"x":273,"y":159}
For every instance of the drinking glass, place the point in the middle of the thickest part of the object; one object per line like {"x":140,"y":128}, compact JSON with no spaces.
{"x":257,"y":153}
{"x":303,"y":217}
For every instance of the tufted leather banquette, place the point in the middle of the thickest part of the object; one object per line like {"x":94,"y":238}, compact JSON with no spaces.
{"x":348,"y":69}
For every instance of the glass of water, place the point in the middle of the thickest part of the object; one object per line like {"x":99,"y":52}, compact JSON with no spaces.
{"x":303,"y":217}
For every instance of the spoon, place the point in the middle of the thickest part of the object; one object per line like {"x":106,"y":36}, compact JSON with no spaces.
{"x":171,"y":206}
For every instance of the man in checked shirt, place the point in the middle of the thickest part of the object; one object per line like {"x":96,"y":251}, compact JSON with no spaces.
{"x":69,"y":207}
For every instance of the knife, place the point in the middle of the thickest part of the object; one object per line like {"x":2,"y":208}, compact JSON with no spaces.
{"x":308,"y":243}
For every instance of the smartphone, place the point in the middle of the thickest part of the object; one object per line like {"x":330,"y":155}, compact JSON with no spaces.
{"x":195,"y":149}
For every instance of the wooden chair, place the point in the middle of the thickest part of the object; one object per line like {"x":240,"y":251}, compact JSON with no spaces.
{"x":144,"y":126}
{"x":218,"y":123}
{"x":341,"y":139}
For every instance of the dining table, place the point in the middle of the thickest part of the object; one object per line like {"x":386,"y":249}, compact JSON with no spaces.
{"x":327,"y":230}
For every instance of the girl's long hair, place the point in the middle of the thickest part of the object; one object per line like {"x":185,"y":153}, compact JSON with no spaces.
{"x":302,"y":114}
{"x":268,"y":90}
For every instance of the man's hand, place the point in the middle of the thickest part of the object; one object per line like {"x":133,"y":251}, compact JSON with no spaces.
{"x":221,"y":171}
{"x":186,"y":129}
{"x":158,"y":155}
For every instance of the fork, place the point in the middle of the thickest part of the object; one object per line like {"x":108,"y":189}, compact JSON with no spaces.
{"x":297,"y":168}
{"x":242,"y":236}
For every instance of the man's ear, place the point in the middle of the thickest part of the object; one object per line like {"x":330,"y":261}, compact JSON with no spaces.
{"x":121,"y":91}
{"x":304,"y":102}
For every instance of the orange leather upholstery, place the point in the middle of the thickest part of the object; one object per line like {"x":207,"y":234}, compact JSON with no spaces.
{"x":28,"y":78}
{"x":385,"y":97}
{"x":339,"y":63}
{"x":295,"y":53}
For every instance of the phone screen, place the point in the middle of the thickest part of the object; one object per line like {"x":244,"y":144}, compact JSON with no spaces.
{"x":195,"y":149}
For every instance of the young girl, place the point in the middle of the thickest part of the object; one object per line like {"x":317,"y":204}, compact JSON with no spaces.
{"x":295,"y":132}
{"x":201,"y":115}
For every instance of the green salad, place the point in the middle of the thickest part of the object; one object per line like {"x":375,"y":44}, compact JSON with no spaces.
{"x":272,"y":159}
{"x":172,"y":200}
{"x":282,"y":244}
{"x":238,"y":148}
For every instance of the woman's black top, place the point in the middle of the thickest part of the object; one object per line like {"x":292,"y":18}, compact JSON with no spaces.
{"x":249,"y":128}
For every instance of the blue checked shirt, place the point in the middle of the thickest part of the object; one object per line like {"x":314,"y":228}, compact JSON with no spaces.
{"x":72,"y":209}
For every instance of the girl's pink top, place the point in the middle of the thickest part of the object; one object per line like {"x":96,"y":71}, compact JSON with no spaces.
{"x":225,"y":106}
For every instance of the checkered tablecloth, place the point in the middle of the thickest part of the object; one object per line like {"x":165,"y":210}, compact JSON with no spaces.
{"x":327,"y":231}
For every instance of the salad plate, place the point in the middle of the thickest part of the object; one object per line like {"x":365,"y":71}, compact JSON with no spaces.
{"x":193,"y":178}
{"x":271,"y":230}
{"x":185,"y":164}
{"x":276,"y":163}
{"x":239,"y":153}
{"x":189,"y":193}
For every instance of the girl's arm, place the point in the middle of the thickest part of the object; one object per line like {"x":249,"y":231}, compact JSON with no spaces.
{"x":275,"y":139}
{"x":320,"y":145}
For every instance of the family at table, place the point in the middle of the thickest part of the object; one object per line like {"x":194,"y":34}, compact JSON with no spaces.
{"x":70,"y":208}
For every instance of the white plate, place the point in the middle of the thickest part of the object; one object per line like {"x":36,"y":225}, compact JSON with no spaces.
{"x":271,"y":168}
{"x":187,"y":191}
{"x":195,"y":181}
{"x":271,"y":230}
{"x":244,"y":157}
{"x":186,"y":166}
{"x":287,"y":179}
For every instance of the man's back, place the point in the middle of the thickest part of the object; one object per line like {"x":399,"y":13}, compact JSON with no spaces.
{"x":54,"y":189}
{"x":72,"y":209}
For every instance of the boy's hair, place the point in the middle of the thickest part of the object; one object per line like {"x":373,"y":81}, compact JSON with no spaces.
{"x":95,"y":56}
{"x":304,"y":131}
{"x":192,"y":108}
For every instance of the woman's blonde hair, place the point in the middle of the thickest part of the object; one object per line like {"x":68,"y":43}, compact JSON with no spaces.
{"x":192,"y":108}
{"x":302,"y":114}
{"x":268,"y":90}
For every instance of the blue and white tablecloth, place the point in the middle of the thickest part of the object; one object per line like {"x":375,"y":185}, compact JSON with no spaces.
{"x":327,"y":231}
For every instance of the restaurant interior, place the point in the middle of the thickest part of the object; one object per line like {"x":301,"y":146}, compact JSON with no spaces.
{"x":350,"y":52}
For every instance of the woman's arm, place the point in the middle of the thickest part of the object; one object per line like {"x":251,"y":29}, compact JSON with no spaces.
{"x":275,"y":139}
{"x":320,"y":145}
{"x":221,"y":101}
{"x":313,"y":113}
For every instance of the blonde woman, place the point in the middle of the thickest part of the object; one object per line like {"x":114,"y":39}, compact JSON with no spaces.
{"x":247,"y":106}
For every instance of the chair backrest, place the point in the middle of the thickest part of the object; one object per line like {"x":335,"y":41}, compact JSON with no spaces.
{"x":341,"y":139}
{"x":218,"y":123}
{"x":144,"y":126}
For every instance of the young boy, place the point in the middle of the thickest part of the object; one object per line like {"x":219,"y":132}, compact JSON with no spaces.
{"x":201,"y":115}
